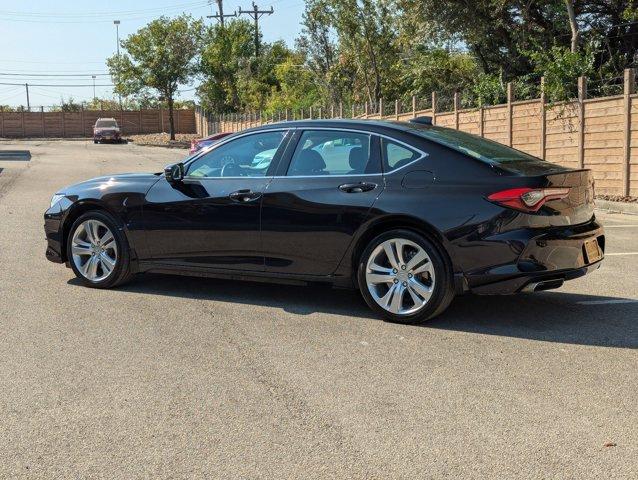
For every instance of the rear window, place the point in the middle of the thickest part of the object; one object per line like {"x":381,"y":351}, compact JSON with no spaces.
{"x":487,"y":151}
{"x":106,"y":124}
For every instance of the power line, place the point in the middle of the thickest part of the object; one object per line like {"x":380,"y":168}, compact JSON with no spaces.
{"x":103,"y":13}
{"x":110,"y":14}
{"x":55,"y":74}
{"x":60,"y":85}
{"x":256,"y":14}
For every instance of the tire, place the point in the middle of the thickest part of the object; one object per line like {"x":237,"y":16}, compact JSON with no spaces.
{"x":421,"y":291}
{"x":111,"y":259}
{"x":95,"y":141}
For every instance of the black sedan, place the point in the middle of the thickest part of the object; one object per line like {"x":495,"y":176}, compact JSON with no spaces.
{"x":409,"y":213}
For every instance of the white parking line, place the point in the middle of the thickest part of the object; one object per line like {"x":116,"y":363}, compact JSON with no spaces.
{"x":620,"y":254}
{"x":603,"y":302}
{"x":621,"y":226}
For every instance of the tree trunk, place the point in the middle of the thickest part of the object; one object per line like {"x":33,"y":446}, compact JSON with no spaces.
{"x":573,"y":24}
{"x":171,"y":123}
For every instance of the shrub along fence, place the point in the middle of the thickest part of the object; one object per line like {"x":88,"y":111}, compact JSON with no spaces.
{"x":596,"y":133}
{"x":80,"y":124}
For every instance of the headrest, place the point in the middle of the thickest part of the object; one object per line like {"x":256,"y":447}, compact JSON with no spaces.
{"x":357,"y":159}
{"x":309,"y":162}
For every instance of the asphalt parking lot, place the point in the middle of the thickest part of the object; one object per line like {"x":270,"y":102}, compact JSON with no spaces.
{"x":173,"y":377}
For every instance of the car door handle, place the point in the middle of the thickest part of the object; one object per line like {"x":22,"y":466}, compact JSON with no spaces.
{"x":244,"y":195}
{"x":357,"y":187}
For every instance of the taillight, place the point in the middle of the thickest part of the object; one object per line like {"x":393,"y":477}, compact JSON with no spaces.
{"x":528,"y":199}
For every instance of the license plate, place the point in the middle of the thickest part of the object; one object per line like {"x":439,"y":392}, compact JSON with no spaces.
{"x":592,"y":250}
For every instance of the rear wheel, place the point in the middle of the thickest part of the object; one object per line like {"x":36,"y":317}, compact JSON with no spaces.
{"x":404,"y":276}
{"x":98,"y":251}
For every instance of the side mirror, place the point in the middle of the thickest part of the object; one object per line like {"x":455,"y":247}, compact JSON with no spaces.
{"x":174,"y":173}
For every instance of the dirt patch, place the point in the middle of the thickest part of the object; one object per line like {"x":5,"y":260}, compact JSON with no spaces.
{"x":182,"y":140}
{"x":618,"y":198}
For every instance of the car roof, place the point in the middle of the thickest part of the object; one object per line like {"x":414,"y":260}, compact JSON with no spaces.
{"x":378,"y":126}
{"x":106,"y":118}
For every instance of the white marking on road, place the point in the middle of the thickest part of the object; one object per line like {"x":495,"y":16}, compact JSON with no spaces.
{"x":622,"y":226}
{"x":617,"y":254}
{"x":603,"y":302}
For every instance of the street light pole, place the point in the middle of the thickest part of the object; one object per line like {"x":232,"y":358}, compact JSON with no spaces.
{"x":117,"y":35}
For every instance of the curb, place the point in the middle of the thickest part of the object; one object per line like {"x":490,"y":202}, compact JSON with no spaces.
{"x":618,"y":207}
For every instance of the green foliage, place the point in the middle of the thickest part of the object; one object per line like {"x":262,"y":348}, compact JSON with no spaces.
{"x":297,"y":86}
{"x":355,"y":51}
{"x":561,"y":69}
{"x":160,"y":57}
{"x":226,"y":52}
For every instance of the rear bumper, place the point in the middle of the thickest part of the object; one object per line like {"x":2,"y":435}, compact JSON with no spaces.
{"x":540,"y":256}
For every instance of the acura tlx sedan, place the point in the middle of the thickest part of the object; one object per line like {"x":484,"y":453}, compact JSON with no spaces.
{"x":408,"y":213}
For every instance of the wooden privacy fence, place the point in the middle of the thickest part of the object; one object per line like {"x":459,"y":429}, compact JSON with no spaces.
{"x":80,"y":124}
{"x":596,"y":133}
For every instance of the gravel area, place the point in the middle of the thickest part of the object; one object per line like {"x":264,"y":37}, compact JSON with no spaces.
{"x":182,"y":140}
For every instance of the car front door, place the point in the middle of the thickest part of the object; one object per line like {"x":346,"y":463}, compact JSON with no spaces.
{"x":212,"y":218}
{"x":323,"y":192}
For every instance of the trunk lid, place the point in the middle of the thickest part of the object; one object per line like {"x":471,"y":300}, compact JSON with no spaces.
{"x":578,"y":206}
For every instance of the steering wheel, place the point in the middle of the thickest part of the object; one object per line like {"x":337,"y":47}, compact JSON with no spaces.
{"x":231,"y":170}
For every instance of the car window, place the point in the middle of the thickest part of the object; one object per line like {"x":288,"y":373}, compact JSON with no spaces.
{"x":248,"y":156}
{"x":106,"y":124}
{"x":396,"y":155}
{"x":325,"y":152}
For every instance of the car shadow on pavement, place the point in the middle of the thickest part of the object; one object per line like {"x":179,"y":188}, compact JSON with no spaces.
{"x":545,"y":316}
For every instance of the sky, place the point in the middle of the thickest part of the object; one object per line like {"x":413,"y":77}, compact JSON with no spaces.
{"x":65,"y":37}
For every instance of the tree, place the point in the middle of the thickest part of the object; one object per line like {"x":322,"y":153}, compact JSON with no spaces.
{"x":297,"y":86}
{"x":226,"y":51}
{"x":159,"y":56}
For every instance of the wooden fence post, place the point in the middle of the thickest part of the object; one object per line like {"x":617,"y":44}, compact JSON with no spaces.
{"x":82,"y":120}
{"x":44,"y":130}
{"x":1,"y":122}
{"x":582,"y":96}
{"x":396,"y":109}
{"x":352,"y":114}
{"x":629,"y":89}
{"x":365,"y":109}
{"x":320,"y":117}
{"x":434,"y":100}
{"x":510,"y":109}
{"x":413,"y":106}
{"x":340,"y":109}
{"x":456,"y":110}
{"x":381,"y":108}
{"x":139,"y":121}
{"x":543,"y":121}
{"x":481,"y":121}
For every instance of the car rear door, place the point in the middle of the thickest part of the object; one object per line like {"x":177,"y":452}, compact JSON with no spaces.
{"x":324,"y":189}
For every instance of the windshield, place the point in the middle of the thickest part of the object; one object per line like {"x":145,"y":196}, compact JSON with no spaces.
{"x":106,"y":124}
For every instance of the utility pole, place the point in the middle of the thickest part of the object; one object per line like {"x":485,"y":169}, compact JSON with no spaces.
{"x":220,"y":13}
{"x":94,"y":97}
{"x":26,"y":85}
{"x":256,"y":14}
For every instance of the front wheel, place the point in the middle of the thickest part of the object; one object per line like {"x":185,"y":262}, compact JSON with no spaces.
{"x":404,"y":277}
{"x":98,"y":251}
